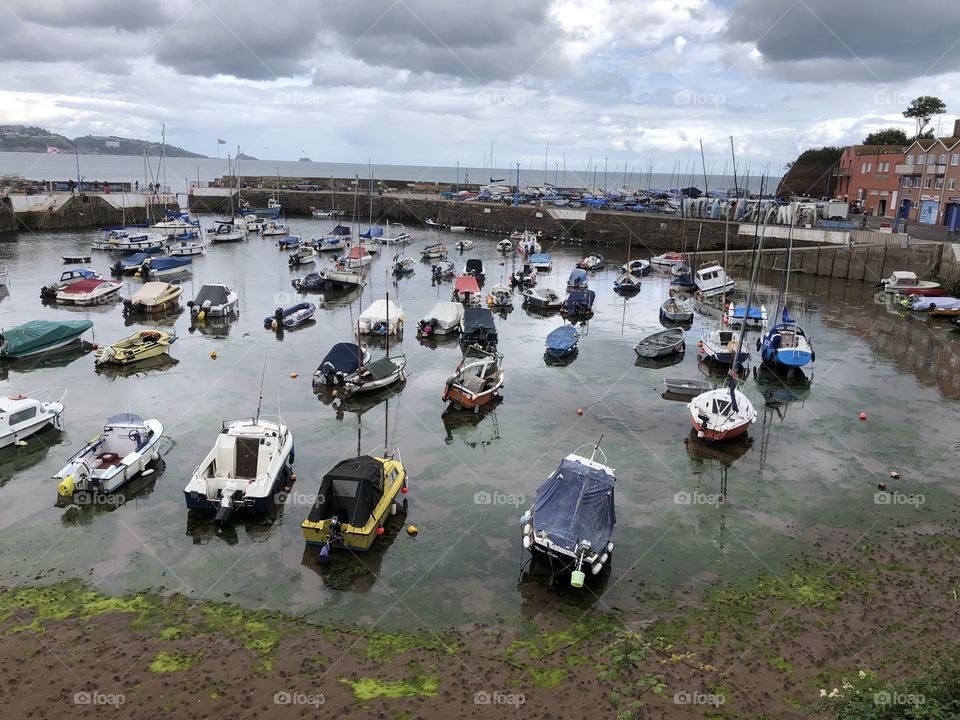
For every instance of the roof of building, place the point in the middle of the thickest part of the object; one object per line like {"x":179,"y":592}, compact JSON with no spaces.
{"x":877,"y":149}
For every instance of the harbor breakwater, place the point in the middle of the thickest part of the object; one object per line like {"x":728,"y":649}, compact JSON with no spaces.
{"x":84,"y":210}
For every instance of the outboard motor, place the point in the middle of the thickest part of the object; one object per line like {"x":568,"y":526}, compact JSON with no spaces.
{"x":226,"y":503}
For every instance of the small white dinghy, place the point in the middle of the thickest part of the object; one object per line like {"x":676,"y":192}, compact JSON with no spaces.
{"x":127,"y":445}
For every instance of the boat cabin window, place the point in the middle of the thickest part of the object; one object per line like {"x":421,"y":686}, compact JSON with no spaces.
{"x":23,"y":415}
{"x":726,"y":336}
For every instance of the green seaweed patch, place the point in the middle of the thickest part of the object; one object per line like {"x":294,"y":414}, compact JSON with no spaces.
{"x":548,"y":677}
{"x":62,"y":601}
{"x":166,"y":662}
{"x":780,"y":664}
{"x":383,"y":647}
{"x":545,"y":644}
{"x":368,"y":688}
{"x":259,"y":631}
{"x":171,"y":633}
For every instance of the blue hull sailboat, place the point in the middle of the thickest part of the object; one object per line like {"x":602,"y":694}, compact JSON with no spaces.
{"x":786,"y":345}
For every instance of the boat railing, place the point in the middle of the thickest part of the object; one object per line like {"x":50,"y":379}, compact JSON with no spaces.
{"x":54,"y":394}
{"x":596,"y":449}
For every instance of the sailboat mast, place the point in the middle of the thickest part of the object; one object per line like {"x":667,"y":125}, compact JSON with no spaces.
{"x":757,"y":246}
{"x":703,"y":164}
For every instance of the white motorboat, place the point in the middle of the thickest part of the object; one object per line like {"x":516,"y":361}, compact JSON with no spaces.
{"x":720,"y":346}
{"x":251,"y":222}
{"x":326,"y":213}
{"x":358,"y":257}
{"x":226,"y":231}
{"x":304,"y":255}
{"x":137,"y":243}
{"x":251,"y":460}
{"x":756,"y":317}
{"x":437,"y":250}
{"x":383,"y":317}
{"x":592,"y":262}
{"x":463,"y":244}
{"x":68,"y":277}
{"x":22,"y":416}
{"x":505,"y":246}
{"x":907,"y":283}
{"x":214,"y":300}
{"x":500,"y":296}
{"x":711,"y":279}
{"x":185,"y":248}
{"x":443,"y":319}
{"x":341,"y":277}
{"x":542,"y":299}
{"x":89,"y":292}
{"x":375,"y":376}
{"x":458,"y":228}
{"x":125,"y":448}
{"x":666,"y":260}
{"x":273,"y":229}
{"x":400,"y":235}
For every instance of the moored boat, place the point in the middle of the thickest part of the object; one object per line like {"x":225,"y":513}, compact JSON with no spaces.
{"x":311,"y":282}
{"x":500,"y":296}
{"x":754,"y":317}
{"x":404,"y":266}
{"x":22,"y":416}
{"x":302,"y":256}
{"x":723,"y":413}
{"x":89,"y":292}
{"x":214,"y":300}
{"x":907,"y":283}
{"x":711,"y":279}
{"x":637,"y":268}
{"x":475,"y":383}
{"x":354,"y":501}
{"x":542,"y":299}
{"x":67,"y":277}
{"x":466,"y":290}
{"x":541,"y":262}
{"x":383,"y":317}
{"x":141,"y":345}
{"x":677,"y":310}
{"x":577,"y":280}
{"x":250,"y":461}
{"x":153,"y":297}
{"x":592,"y":262}
{"x":342,"y":360}
{"x":569,"y":528}
{"x":166,"y":266}
{"x":39,"y":336}
{"x":186,"y":248}
{"x":464,"y":244}
{"x":505,"y":246}
{"x":358,"y":257}
{"x":661,"y":344}
{"x":444,"y":318}
{"x":578,"y":305}
{"x":474,"y":266}
{"x":525,"y":276}
{"x":562,"y":341}
{"x":273,"y":228}
{"x":291,"y":317}
{"x":686,"y":387}
{"x":126,"y":448}
{"x":667,"y":260}
{"x":374,"y":376}
{"x":720,"y":346}
{"x":477,"y":327}
{"x":627,"y":284}
{"x":436,"y":250}
{"x":226,"y":231}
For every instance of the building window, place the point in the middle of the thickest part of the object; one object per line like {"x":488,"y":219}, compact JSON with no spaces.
{"x":938,"y":184}
{"x":863,"y":168}
{"x":927,"y":183}
{"x":907,"y":181}
{"x":943,"y":159}
{"x":951,"y":184}
{"x":909,"y":159}
{"x":931,"y":158}
{"x":955,"y":159}
{"x":921,"y":159}
{"x":874,"y":192}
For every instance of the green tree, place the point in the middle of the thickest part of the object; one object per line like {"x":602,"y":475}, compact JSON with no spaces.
{"x":922,"y":109}
{"x":889,"y":136}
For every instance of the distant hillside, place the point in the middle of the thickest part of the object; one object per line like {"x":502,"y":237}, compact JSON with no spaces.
{"x":23,"y":138}
{"x":810,"y":174}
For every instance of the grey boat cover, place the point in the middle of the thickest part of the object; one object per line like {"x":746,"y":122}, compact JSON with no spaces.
{"x":574,"y":504}
{"x":216,"y":294}
{"x":382,"y":369}
{"x":350,"y":491}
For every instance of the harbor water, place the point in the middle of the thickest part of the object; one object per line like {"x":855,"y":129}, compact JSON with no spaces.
{"x":688,"y":513}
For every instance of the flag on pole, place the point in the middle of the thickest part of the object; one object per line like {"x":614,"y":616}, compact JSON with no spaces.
{"x":52,"y":150}
{"x":221,"y":142}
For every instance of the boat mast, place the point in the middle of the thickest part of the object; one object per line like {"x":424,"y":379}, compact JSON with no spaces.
{"x":596,"y":447}
{"x":260,"y":401}
{"x":757,"y":246}
{"x":703,"y":164}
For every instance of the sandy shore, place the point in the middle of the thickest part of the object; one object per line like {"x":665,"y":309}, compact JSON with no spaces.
{"x":763,"y":649}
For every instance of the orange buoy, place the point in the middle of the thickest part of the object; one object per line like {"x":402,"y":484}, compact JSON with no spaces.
{"x":380,"y":531}
{"x":579,"y":411}
{"x":404,"y":490}
{"x":213,"y":355}
{"x":294,"y":375}
{"x":863,"y":416}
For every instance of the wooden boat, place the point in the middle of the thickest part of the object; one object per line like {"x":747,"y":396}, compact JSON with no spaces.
{"x":22,"y":416}
{"x":676,"y":310}
{"x":475,"y":383}
{"x":686,"y":387}
{"x":250,"y":461}
{"x":437,"y":250}
{"x":134,"y":348}
{"x":660,"y":344}
{"x":153,"y":297}
{"x":89,"y":292}
{"x":39,"y":336}
{"x":569,"y":528}
{"x":542,"y":299}
{"x":291,"y":317}
{"x":354,"y":501}
{"x":126,"y":448}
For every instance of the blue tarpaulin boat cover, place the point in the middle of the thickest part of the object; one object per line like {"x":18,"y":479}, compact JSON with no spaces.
{"x":341,"y":230}
{"x":344,"y":357}
{"x":755,"y":313}
{"x":372,"y":233}
{"x":563,"y":339}
{"x":579,"y":300}
{"x":578,"y":276}
{"x":574,"y":504}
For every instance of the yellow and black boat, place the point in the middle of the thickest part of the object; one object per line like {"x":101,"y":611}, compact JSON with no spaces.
{"x":355,"y":500}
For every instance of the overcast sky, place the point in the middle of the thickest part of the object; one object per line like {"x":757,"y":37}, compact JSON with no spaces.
{"x":433,"y":82}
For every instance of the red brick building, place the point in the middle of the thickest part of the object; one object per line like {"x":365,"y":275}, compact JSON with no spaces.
{"x":930,"y":180}
{"x":867,"y":176}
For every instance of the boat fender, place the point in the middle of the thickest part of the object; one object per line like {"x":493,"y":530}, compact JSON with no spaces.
{"x":526,"y":542}
{"x":597,"y":567}
{"x":66,"y":486}
{"x":603,"y":558}
{"x":526,"y":529}
{"x":524,"y":519}
{"x":609,"y":548}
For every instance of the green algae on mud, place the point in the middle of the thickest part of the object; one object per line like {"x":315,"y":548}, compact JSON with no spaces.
{"x":166,"y":662}
{"x":367,"y":688}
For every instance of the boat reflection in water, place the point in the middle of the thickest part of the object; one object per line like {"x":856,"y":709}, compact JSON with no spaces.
{"x":357,"y":404}
{"x":202,"y":526}
{"x":158,"y":364}
{"x":213,"y":326}
{"x":726,"y":453}
{"x":351,"y":571}
{"x":82,"y":508}
{"x":58,"y":358}
{"x":454,"y":420}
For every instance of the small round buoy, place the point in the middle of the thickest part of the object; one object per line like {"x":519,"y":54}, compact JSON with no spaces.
{"x":412,"y":530}
{"x":579,"y":411}
{"x":137,"y":274}
{"x":894,"y":474}
{"x":273,"y":325}
{"x":213,"y":355}
{"x":863,"y":416}
{"x":95,"y":346}
{"x":404,"y":490}
{"x":380,"y":530}
{"x":294,"y":375}
{"x":881,"y":486}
